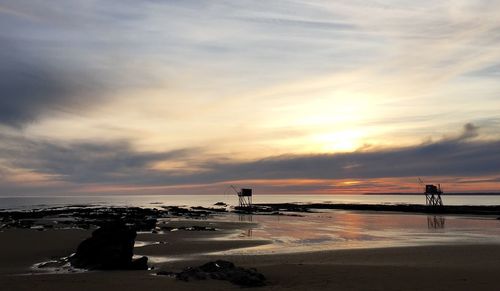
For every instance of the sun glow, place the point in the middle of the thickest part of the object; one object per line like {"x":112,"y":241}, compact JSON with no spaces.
{"x":340,"y":141}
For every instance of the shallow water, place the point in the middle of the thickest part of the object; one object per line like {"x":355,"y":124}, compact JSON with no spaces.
{"x":330,"y":229}
{"x":338,"y":229}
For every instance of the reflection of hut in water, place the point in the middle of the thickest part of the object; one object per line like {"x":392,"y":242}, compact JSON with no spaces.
{"x":246,"y":218}
{"x":435,"y":222}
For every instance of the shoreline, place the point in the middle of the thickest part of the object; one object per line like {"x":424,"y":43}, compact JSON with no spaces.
{"x":263,"y":208}
{"x":175,"y":238}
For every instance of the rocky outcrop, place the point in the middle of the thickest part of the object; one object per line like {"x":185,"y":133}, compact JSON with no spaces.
{"x":221,"y":270}
{"x":111,"y":247}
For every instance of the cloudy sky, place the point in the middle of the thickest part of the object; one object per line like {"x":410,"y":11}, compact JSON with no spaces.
{"x":174,"y":97}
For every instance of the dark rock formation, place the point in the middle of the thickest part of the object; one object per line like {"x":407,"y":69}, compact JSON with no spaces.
{"x":188,"y":228}
{"x":110,"y":248}
{"x":85,"y":217}
{"x":221,"y":270}
{"x":209,"y":209}
{"x":139,"y":264}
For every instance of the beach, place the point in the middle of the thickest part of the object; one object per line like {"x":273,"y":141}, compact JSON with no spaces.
{"x":445,"y":267}
{"x":182,"y":242}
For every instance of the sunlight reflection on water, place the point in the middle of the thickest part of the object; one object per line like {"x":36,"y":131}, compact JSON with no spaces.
{"x":338,"y":229}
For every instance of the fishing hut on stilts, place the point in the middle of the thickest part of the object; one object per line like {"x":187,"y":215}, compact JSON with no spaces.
{"x":244,"y":197}
{"x":432,"y":194}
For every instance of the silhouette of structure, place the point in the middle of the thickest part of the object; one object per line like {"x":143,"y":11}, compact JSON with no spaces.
{"x":244,"y":197}
{"x":432,"y":194}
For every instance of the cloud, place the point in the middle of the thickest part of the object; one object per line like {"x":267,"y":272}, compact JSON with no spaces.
{"x":118,"y":163}
{"x":56,"y":57}
{"x":170,"y":74}
{"x":30,"y":88}
{"x":85,"y":162}
{"x":435,"y":159}
{"x":469,"y":131}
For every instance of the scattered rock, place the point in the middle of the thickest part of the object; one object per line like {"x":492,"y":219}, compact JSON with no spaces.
{"x":209,"y":209}
{"x":139,"y":264}
{"x":188,"y":228}
{"x":110,"y":248}
{"x":87,"y":217}
{"x":221,"y":270}
{"x":52,"y":264}
{"x":166,"y":273}
{"x":37,"y":227}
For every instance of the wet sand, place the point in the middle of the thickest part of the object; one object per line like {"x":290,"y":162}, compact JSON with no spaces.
{"x":444,"y":267}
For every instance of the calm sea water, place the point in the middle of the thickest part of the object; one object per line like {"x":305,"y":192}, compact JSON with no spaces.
{"x":338,"y":229}
{"x":209,"y":200}
{"x":328,"y":229}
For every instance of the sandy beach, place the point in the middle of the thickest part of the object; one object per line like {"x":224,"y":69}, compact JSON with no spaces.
{"x":443,"y":267}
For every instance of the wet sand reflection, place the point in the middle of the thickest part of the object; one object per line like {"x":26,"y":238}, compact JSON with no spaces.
{"x":435,"y":222}
{"x":337,"y":229}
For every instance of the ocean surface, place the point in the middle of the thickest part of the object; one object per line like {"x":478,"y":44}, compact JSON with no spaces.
{"x":322,"y":230}
{"x":208,"y":200}
{"x":339,"y":229}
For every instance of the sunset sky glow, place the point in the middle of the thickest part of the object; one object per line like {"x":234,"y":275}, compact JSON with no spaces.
{"x":187,"y":97}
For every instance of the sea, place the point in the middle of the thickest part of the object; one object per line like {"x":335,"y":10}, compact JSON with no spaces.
{"x":36,"y":202}
{"x":321,"y":230}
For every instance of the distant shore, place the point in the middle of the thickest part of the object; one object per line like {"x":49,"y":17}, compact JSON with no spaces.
{"x":446,"y":194}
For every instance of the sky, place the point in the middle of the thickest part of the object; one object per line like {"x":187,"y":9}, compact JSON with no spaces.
{"x":188,"y":97}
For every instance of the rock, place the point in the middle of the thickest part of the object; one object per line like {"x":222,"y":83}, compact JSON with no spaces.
{"x":143,"y":224}
{"x":207,"y":210}
{"x":198,"y":228}
{"x":247,"y":277}
{"x":222,"y":270}
{"x":217,"y":266}
{"x":51,"y":264}
{"x":110,"y":248}
{"x":37,"y":227}
{"x":139,"y":264}
{"x":166,"y":273}
{"x":191,"y":273}
{"x":220,"y":204}
{"x":188,"y":228}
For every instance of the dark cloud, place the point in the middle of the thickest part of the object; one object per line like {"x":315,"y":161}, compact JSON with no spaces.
{"x":444,"y":158}
{"x":118,"y":162}
{"x":60,"y":57}
{"x":469,"y":131}
{"x":112,"y":162}
{"x":30,"y":88}
{"x":449,"y":157}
